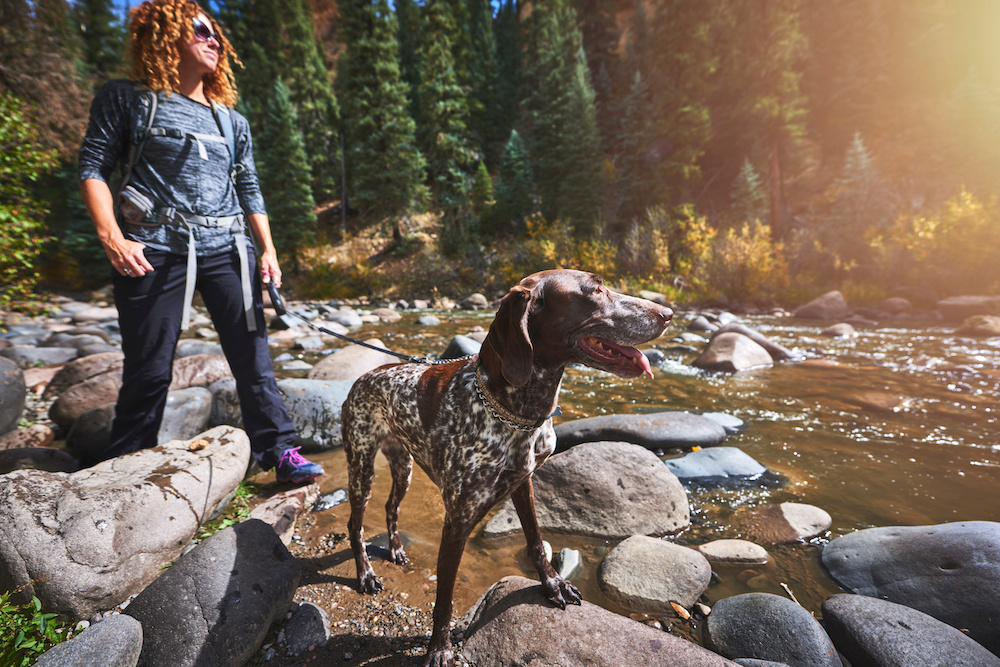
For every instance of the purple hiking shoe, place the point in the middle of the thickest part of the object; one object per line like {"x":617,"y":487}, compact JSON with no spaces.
{"x":296,"y":469}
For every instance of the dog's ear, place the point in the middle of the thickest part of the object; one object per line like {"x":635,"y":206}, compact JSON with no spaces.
{"x":509,"y":334}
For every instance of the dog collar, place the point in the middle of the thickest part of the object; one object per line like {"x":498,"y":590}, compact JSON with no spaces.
{"x":502,"y":414}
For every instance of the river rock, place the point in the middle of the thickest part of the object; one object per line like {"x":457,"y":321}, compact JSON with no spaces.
{"x":830,"y":306}
{"x":656,"y":430}
{"x":214,"y":606}
{"x":345,"y":317}
{"x":950,"y":571}
{"x":311,"y":343}
{"x":84,"y":541}
{"x":461,"y":346}
{"x":958,"y":308}
{"x":733,"y":552}
{"x":784,"y":523}
{"x":83,"y":369}
{"x":186,"y":414}
{"x":114,"y":642}
{"x":314,"y":406}
{"x":308,"y":626}
{"x":351,"y":362}
{"x":895,"y":305}
{"x":839,"y":330}
{"x":611,"y":490}
{"x":387,"y":315}
{"x":13,"y":393}
{"x":980,"y":326}
{"x":428,"y":321}
{"x":38,"y":379}
{"x":769,"y":627}
{"x":282,"y":510}
{"x":37,"y":458}
{"x":189,"y":347}
{"x":199,"y":370}
{"x":645,"y":574}
{"x":474,"y":302}
{"x":82,"y":397}
{"x":513,"y":623}
{"x":870,"y":631}
{"x":730,"y":423}
{"x":95,"y":314}
{"x":26,"y":356}
{"x":732,"y":352}
{"x":701,"y":324}
{"x":36,"y":435}
{"x":716,"y":466}
{"x":225,"y":403}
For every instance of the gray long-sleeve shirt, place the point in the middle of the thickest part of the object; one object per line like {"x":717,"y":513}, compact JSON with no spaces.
{"x":173,"y":172}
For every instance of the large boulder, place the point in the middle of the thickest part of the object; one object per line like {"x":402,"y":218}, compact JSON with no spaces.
{"x":80,"y":398}
{"x":199,"y":370}
{"x":186,"y":414}
{"x":85,"y":541}
{"x":314,"y":406}
{"x":958,"y":308}
{"x":657,"y":430}
{"x":870,"y":631}
{"x":214,"y":606}
{"x":784,"y":523}
{"x":610,"y":490}
{"x":351,"y":362}
{"x":82,"y":369}
{"x":980,"y":326}
{"x":730,"y":352}
{"x":13,"y":393}
{"x":830,"y":306}
{"x":769,"y":627}
{"x":114,"y":642}
{"x":950,"y":571}
{"x":645,"y":574}
{"x":515,"y":624}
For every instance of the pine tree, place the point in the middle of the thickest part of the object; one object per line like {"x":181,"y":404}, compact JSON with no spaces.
{"x":103,"y":38}
{"x":509,"y":66}
{"x":285,"y":177}
{"x":486,"y":123}
{"x":515,"y":186}
{"x":637,"y":185}
{"x":749,"y":201}
{"x":409,"y":20}
{"x":385,"y":169}
{"x":601,"y":36}
{"x":561,"y":118}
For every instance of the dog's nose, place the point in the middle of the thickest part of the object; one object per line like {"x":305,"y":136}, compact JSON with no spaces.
{"x":665,"y":314}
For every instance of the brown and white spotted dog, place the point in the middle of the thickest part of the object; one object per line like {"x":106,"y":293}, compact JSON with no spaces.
{"x":479,"y":427}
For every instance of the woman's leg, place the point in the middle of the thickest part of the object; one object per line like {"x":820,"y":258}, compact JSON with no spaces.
{"x":149,"y":315}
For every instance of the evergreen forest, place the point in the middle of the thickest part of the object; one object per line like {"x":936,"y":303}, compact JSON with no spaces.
{"x":726,"y":151}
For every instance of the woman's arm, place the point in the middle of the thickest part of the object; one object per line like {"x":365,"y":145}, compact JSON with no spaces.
{"x":126,"y":256}
{"x":269,"y":269}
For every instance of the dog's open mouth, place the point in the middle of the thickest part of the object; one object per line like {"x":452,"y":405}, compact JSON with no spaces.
{"x":621,"y":360}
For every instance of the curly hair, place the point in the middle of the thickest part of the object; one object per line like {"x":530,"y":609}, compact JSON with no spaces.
{"x":156,"y":29}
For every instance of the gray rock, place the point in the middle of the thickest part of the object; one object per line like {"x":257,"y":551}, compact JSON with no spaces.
{"x":95,"y":314}
{"x":214,"y":606}
{"x":26,"y":356}
{"x":784,"y":523}
{"x":387,"y":315}
{"x":839,"y":330}
{"x":461,"y":346}
{"x":655,"y":297}
{"x":84,"y":396}
{"x":13,"y":393}
{"x":351,"y":362}
{"x":604,"y":489}
{"x":769,"y":627}
{"x":97,"y":348}
{"x":513,"y":623}
{"x":37,"y":458}
{"x":428,"y":321}
{"x":870,"y":631}
{"x":186,"y":414}
{"x":74,"y":341}
{"x":297,"y":366}
{"x":82,"y":369}
{"x":308,"y":626}
{"x":330,"y":499}
{"x":980,"y":326}
{"x":716,"y":466}
{"x":474,"y":302}
{"x":90,"y":435}
{"x":701,"y":324}
{"x":753,"y":662}
{"x":958,"y":308}
{"x":733,"y":552}
{"x":950,"y":571}
{"x":314,"y":406}
{"x":189,"y":347}
{"x":309,"y":343}
{"x":225,"y":403}
{"x":644,"y":574}
{"x":830,"y":306}
{"x":730,"y":423}
{"x":84,"y":541}
{"x":114,"y":642}
{"x":198,"y":370}
{"x":567,"y":562}
{"x":345,"y":317}
{"x":730,"y":352}
{"x":657,"y":430}
{"x":894,"y":305}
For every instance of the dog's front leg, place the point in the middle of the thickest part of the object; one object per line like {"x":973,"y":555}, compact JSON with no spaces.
{"x":453,"y":539}
{"x":559,"y":591}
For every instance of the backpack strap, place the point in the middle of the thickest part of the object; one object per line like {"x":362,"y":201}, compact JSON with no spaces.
{"x":139,"y":138}
{"x":225,"y":121}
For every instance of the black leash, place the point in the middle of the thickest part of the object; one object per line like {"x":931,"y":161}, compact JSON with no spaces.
{"x":279,"y":307}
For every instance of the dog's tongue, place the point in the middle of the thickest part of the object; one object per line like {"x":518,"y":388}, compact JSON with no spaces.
{"x":643,"y":363}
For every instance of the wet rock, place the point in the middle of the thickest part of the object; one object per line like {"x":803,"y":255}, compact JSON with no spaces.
{"x":84,"y":541}
{"x":93,"y":392}
{"x":657,"y":430}
{"x":36,"y":435}
{"x":732,"y":352}
{"x":830,"y":306}
{"x":225,"y":403}
{"x":37,"y":458}
{"x":730,"y":423}
{"x":839,"y":330}
{"x":215,"y":605}
{"x":345,"y":317}
{"x":461,"y":346}
{"x":603,"y":489}
{"x":566,"y":562}
{"x":701,"y":324}
{"x":90,"y":434}
{"x":351,"y":362}
{"x":114,"y":642}
{"x":733,"y":552}
{"x":474,"y":302}
{"x":74,"y":341}
{"x":296,"y":366}
{"x":314,"y":406}
{"x":784,"y":523}
{"x":189,"y":347}
{"x":513,"y":623}
{"x":777,"y":352}
{"x":941,"y":570}
{"x":428,"y":321}
{"x":13,"y":393}
{"x":83,"y":369}
{"x":330,"y":499}
{"x":309,"y":343}
{"x":26,"y":356}
{"x":870,"y":631}
{"x":769,"y":627}
{"x":753,"y":662}
{"x":645,"y":574}
{"x":186,"y":414}
{"x":308,"y":626}
{"x":716,"y":467}
{"x":387,"y":315}
{"x":958,"y":308}
{"x":980,"y":326}
{"x":282,"y":510}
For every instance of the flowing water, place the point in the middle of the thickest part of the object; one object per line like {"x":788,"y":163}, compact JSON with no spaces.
{"x":897,"y":426}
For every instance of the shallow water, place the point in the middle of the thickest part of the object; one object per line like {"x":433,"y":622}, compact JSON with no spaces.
{"x":897,"y":426}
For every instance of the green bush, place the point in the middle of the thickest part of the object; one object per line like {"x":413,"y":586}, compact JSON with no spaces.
{"x":26,"y":633}
{"x":745,"y":264}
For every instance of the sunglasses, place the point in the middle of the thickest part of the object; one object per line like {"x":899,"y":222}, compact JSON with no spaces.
{"x":203,"y":33}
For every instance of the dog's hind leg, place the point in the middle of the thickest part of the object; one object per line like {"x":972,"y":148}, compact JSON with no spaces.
{"x":558,"y":590}
{"x":360,"y":447}
{"x":401,"y":466}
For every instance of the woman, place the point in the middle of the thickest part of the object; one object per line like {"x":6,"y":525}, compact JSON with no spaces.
{"x":180,"y":226}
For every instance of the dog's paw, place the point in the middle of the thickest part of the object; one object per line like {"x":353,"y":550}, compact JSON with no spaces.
{"x":561,"y":592}
{"x":441,"y":658}
{"x":397,"y":555}
{"x":369,"y":583}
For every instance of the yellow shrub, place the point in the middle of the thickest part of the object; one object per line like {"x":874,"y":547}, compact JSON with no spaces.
{"x":745,"y":264}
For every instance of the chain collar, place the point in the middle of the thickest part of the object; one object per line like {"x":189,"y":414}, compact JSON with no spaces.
{"x":502,"y":414}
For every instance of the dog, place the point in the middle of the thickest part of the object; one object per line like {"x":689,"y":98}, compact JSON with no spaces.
{"x":479,"y":427}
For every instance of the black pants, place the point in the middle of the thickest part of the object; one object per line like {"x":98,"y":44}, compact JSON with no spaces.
{"x":149,"y":313}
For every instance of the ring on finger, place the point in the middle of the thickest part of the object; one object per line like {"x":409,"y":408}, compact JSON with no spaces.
{"x":128,"y":272}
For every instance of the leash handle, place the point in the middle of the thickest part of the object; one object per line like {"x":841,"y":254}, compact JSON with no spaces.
{"x":276,"y":300}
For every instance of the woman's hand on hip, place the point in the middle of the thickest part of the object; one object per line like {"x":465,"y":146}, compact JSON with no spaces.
{"x":128,"y":258}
